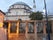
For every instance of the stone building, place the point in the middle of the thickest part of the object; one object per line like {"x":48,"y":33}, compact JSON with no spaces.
{"x":19,"y":25}
{"x":2,"y":30}
{"x":17,"y":11}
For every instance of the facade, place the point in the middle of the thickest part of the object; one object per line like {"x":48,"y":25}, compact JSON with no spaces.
{"x":20,"y":26}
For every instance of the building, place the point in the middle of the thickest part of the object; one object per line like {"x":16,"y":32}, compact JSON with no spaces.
{"x":17,"y":11}
{"x":2,"y":30}
{"x":2,"y":15}
{"x":19,"y":24}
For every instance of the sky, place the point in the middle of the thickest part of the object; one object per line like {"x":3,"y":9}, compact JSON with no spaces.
{"x":4,"y":4}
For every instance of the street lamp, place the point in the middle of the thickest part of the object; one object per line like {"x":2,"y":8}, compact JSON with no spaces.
{"x":48,"y":28}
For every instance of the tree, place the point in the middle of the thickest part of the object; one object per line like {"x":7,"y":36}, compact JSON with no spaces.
{"x":36,"y":16}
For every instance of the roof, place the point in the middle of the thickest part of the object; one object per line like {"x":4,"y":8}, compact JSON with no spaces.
{"x":20,"y":3}
{"x":2,"y":12}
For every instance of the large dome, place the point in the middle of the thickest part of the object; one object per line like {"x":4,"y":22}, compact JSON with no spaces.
{"x":20,"y":3}
{"x":19,"y":6}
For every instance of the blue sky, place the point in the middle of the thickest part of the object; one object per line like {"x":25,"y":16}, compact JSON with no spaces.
{"x":4,"y":4}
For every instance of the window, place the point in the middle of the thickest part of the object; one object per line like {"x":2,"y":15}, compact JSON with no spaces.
{"x":16,"y":6}
{"x":21,"y":6}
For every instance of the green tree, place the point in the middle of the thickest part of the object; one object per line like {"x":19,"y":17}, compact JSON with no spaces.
{"x":36,"y":16}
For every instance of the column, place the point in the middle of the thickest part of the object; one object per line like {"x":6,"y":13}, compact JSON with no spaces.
{"x":52,"y":26}
{"x":18,"y":23}
{"x":26,"y":29}
{"x":44,"y":31}
{"x":9,"y":29}
{"x":35,"y":30}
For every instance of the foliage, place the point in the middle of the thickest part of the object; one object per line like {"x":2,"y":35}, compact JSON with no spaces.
{"x":36,"y":16}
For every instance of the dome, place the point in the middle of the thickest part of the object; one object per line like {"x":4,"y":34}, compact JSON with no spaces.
{"x":20,"y":3}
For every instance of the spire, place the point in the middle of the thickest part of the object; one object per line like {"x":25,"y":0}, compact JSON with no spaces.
{"x":33,"y":1}
{"x":34,"y":6}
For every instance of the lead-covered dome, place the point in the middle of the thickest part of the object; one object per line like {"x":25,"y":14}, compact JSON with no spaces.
{"x":20,"y":5}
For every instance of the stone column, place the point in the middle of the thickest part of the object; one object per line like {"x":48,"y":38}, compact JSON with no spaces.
{"x":9,"y":29}
{"x":35,"y":30}
{"x":52,"y":26}
{"x":44,"y":31}
{"x":18,"y":24}
{"x":26,"y":29}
